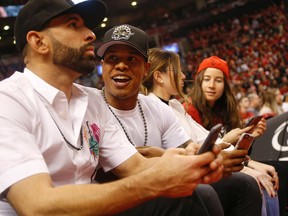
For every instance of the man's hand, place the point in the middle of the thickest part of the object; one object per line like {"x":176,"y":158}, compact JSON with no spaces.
{"x":224,"y":145}
{"x":177,"y":174}
{"x":233,"y":160}
{"x":192,"y":148}
{"x":216,"y":166}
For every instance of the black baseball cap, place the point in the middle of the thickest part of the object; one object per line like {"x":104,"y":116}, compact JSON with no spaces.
{"x":126,"y":35}
{"x":36,"y":13}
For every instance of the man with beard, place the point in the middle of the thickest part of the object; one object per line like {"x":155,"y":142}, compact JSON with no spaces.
{"x":54,"y":133}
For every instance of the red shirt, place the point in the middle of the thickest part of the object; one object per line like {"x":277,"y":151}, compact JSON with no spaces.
{"x":245,"y":116}
{"x":190,"y":109}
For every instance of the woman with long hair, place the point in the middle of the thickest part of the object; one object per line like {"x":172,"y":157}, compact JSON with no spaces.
{"x":269,"y":107}
{"x":212,"y":101}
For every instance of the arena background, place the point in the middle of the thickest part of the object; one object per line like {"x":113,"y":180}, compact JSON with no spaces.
{"x":251,"y":35}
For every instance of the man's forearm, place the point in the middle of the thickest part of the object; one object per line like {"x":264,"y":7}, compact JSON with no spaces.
{"x":89,"y":199}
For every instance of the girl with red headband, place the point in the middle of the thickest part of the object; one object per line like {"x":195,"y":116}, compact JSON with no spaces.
{"x":213,"y":100}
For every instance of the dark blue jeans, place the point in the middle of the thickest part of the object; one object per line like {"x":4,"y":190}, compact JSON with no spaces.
{"x":239,"y":195}
{"x":270,"y":205}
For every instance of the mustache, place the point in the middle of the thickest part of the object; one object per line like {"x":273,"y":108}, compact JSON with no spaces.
{"x":84,"y":47}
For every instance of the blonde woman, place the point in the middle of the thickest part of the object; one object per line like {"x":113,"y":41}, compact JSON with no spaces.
{"x":269,"y":107}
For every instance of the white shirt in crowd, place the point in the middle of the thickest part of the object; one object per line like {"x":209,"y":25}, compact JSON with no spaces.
{"x":31,"y":142}
{"x":163,"y":128}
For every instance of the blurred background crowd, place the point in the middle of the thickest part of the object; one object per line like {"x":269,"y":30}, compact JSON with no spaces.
{"x":251,"y":36}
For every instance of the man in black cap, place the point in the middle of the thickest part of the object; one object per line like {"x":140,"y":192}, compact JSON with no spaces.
{"x":54,"y":133}
{"x":150,"y":124}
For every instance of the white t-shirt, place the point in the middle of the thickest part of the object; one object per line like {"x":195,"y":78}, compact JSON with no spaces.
{"x":195,"y":131}
{"x":31,"y":142}
{"x":163,"y":128}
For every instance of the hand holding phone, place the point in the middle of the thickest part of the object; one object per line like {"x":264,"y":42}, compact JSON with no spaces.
{"x":245,"y":141}
{"x":253,"y":120}
{"x":210,"y":139}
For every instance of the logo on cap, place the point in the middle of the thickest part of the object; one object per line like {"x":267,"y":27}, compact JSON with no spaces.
{"x":122,"y":32}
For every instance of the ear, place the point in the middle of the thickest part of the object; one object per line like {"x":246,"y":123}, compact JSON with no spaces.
{"x":158,"y":76}
{"x":37,"y":42}
{"x":147,"y":67}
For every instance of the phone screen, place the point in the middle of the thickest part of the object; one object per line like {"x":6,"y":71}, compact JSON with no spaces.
{"x":253,"y":121}
{"x":211,"y":139}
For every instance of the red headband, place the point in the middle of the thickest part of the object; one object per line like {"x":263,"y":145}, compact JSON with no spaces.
{"x":214,"y":62}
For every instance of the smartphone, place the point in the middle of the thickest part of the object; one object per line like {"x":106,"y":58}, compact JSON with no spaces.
{"x":254,"y":120}
{"x":210,"y":139}
{"x":245,"y":141}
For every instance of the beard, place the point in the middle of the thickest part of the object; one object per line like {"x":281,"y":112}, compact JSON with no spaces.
{"x":73,"y":58}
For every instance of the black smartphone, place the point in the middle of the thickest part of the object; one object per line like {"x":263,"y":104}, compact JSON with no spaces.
{"x":210,"y":139}
{"x":253,"y":120}
{"x":245,"y":141}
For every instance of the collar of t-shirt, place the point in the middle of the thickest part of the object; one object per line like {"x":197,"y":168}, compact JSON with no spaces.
{"x":72,"y":112}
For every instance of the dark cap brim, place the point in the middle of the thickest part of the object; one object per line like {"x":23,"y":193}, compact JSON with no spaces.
{"x":103,"y":47}
{"x":92,"y":12}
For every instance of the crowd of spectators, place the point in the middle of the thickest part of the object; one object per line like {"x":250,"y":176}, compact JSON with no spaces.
{"x":9,"y":64}
{"x":255,"y":44}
